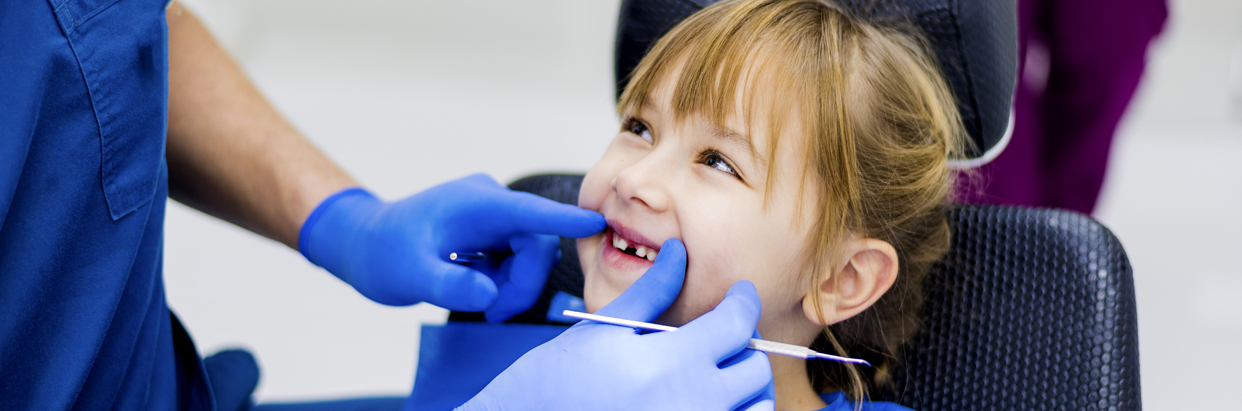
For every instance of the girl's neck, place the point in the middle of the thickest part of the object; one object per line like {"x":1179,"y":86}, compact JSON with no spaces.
{"x":793,"y":388}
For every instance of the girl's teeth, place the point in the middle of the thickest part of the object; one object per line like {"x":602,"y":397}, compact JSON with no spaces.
{"x":643,"y":251}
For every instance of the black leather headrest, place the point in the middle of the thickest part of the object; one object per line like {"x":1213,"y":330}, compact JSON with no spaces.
{"x":975,"y":42}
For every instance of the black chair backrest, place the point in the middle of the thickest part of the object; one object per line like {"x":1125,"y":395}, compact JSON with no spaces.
{"x":976,"y":42}
{"x":1030,"y":309}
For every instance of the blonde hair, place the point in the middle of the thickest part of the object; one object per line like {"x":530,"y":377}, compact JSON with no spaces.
{"x":878,"y":123}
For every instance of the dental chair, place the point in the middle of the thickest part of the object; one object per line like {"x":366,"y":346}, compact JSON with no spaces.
{"x":1030,"y":308}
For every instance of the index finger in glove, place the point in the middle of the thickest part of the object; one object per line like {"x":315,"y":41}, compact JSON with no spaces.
{"x":725,"y":330}
{"x":512,"y":212}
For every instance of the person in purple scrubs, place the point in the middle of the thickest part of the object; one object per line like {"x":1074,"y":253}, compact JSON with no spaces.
{"x":1081,"y":62}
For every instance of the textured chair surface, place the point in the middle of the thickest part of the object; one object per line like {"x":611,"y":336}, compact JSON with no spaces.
{"x":975,"y":41}
{"x":1030,"y":309}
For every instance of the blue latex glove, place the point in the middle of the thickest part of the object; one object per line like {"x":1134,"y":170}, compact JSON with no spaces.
{"x":704,"y":365}
{"x":397,"y":253}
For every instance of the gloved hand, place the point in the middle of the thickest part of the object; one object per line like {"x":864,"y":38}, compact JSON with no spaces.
{"x":397,"y":253}
{"x":704,"y":365}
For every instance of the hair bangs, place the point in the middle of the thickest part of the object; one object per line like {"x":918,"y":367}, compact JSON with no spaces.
{"x":722,"y":61}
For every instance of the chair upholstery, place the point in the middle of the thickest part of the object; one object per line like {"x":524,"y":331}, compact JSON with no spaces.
{"x":1030,"y":309}
{"x":976,"y":42}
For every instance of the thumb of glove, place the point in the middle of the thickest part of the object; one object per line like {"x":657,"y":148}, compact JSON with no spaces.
{"x":656,"y":290}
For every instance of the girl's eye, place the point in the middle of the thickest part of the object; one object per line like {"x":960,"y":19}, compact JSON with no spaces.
{"x":713,"y":159}
{"x":639,"y":128}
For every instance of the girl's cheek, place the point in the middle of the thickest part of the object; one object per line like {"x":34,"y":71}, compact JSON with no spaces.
{"x":598,"y":182}
{"x":711,"y":272}
{"x":594,"y":189}
{"x":595,"y":186}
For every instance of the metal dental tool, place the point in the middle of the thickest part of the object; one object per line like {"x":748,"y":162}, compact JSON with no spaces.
{"x":465,"y":258}
{"x":772,"y":347}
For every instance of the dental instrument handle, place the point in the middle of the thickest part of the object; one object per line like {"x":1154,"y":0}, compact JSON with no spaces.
{"x":617,"y":321}
{"x":756,"y":344}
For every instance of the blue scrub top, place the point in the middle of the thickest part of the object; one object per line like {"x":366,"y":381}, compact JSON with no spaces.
{"x":83,"y":185}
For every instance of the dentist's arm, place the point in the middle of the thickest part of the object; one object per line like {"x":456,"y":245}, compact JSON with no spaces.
{"x":232,"y":155}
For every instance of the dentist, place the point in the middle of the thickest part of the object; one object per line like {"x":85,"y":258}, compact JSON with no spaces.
{"x":109,"y":107}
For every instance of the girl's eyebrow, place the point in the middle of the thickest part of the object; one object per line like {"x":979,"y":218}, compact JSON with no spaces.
{"x":739,"y":141}
{"x":650,"y":105}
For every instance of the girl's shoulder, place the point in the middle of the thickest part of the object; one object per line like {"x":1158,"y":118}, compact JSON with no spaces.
{"x":837,"y":402}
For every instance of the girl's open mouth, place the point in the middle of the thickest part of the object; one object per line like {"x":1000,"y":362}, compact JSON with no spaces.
{"x":637,"y":250}
{"x":626,"y":250}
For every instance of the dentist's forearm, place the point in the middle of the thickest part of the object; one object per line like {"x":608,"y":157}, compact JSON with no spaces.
{"x":230,"y":153}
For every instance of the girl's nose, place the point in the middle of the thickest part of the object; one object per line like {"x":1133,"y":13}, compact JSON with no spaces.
{"x":644,"y":183}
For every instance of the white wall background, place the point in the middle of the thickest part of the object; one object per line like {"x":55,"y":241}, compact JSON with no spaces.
{"x":405,"y":94}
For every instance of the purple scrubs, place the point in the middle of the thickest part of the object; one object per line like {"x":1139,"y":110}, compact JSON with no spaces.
{"x":1082,"y":60}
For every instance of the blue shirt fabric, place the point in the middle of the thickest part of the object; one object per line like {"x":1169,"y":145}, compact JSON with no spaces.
{"x":838,"y":402}
{"x":83,"y":185}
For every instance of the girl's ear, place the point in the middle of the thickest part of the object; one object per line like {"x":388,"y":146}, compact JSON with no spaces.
{"x":867,"y":270}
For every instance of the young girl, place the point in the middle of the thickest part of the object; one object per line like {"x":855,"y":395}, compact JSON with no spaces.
{"x":787,"y":143}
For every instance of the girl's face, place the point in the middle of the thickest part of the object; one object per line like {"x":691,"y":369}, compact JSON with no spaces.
{"x":699,"y":182}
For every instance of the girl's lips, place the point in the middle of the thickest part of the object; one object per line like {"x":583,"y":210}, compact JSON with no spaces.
{"x":616,"y":259}
{"x":630,"y":236}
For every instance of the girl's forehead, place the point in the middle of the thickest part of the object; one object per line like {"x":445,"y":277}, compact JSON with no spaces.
{"x":717,"y":86}
{"x":755,"y":98}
